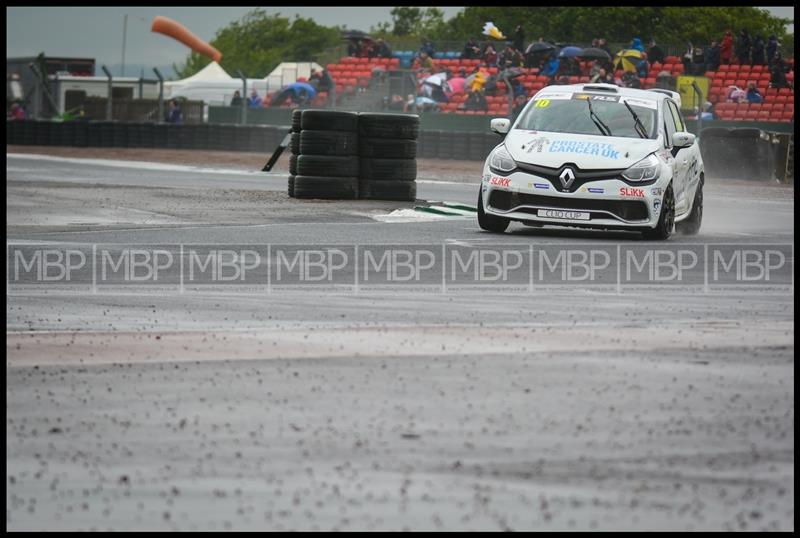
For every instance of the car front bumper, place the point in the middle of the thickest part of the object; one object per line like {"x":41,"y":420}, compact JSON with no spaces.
{"x":610,"y":203}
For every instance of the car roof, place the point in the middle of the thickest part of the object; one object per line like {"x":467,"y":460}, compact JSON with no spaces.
{"x":655,"y":94}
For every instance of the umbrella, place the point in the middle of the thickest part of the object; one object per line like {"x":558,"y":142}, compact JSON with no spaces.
{"x":627,"y":59}
{"x":456,"y":85}
{"x":297,"y":87}
{"x":489,"y":29}
{"x":570,"y":52}
{"x":594,"y":54}
{"x":539,"y":47}
{"x":356,"y":34}
{"x":436,"y":80}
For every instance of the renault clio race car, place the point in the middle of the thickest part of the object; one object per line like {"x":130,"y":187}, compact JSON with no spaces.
{"x":595,"y":156}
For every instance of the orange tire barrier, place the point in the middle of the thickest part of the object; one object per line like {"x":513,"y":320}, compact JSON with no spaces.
{"x":175,"y":30}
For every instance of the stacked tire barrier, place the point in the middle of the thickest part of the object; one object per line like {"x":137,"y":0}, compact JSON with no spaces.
{"x":745,"y":153}
{"x":388,"y":156}
{"x":326,"y":155}
{"x":346,"y":155}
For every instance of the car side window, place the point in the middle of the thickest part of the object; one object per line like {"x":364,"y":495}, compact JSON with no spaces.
{"x":677,"y":116}
{"x":669,"y":125}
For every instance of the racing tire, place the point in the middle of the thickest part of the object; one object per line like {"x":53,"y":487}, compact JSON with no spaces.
{"x":373,"y":125}
{"x":293,"y":165}
{"x":388,"y":148}
{"x":294,"y":145}
{"x":666,"y":221}
{"x":329,"y":120}
{"x":296,"y":118}
{"x":402,"y":191}
{"x":389,"y":169}
{"x":319,"y":165}
{"x":336,"y":188}
{"x":490,"y":223}
{"x":332,"y":143}
{"x":691,"y":225}
{"x":291,"y":186}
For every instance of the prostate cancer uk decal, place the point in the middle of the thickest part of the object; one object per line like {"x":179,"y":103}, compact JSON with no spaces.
{"x":588,"y":148}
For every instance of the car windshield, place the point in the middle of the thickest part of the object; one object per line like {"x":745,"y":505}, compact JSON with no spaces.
{"x":574,"y":116}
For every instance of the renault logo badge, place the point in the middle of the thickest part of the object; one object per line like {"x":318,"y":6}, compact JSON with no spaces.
{"x":567,"y":177}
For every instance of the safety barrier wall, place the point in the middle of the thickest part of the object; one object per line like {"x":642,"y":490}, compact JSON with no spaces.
{"x":223,"y":137}
{"x":749,"y":153}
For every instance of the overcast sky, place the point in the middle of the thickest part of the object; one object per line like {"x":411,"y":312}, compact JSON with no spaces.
{"x":96,"y":32}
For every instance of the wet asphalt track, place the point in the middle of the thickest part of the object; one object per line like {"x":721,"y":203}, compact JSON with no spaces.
{"x":385,"y":410}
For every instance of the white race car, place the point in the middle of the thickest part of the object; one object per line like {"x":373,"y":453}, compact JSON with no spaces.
{"x":595,"y":156}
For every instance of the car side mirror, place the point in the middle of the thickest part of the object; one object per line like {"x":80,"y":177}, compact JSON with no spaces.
{"x":682,"y":139}
{"x":500,"y":125}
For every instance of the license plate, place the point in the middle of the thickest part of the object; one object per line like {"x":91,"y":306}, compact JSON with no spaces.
{"x":561,"y":214}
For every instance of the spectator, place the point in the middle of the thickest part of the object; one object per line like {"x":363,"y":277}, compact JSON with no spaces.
{"x":17,"y":112}
{"x":708,"y":112}
{"x":654,"y":53}
{"x":427,"y":47}
{"x":637,"y":44}
{"x":665,"y":81}
{"x":511,"y":57}
{"x":753,"y":95}
{"x":551,"y":68}
{"x":712,"y":56}
{"x":743,"y":45}
{"x":353,"y":47}
{"x":322,"y":81}
{"x":698,"y":65}
{"x":471,"y":50}
{"x":736,"y":95}
{"x":424,"y":62}
{"x":174,"y":115}
{"x":596,"y":69}
{"x":603,"y":44}
{"x":630,"y":80}
{"x":778,"y":72}
{"x":599,"y":76}
{"x":396,"y":103}
{"x":570,"y":67}
{"x":519,"y":38}
{"x":687,"y":57}
{"x":410,"y":105}
{"x":518,"y":88}
{"x":237,"y":99}
{"x":490,"y":56}
{"x":455,"y":85}
{"x":726,"y":48}
{"x":255,"y":100}
{"x":476,"y":100}
{"x":381,"y":49}
{"x":563,"y":80}
{"x":643,"y":67}
{"x":772,"y":48}
{"x":757,"y":53}
{"x":519,"y":104}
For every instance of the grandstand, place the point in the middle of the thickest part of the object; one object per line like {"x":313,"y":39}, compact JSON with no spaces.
{"x":353,"y":73}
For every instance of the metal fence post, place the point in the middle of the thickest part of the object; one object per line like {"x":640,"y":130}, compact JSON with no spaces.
{"x":160,"y":95}
{"x":110,"y":94}
{"x":244,"y":96}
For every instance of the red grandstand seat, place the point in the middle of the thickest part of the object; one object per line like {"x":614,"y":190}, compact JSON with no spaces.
{"x":784,"y":91}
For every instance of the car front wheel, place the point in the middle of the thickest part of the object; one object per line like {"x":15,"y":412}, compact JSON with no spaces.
{"x":666,"y":221}
{"x":691,"y":225}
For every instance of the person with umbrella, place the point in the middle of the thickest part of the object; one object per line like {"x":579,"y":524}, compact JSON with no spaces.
{"x":299,"y":92}
{"x":551,"y":68}
{"x":654,"y":53}
{"x":537,"y":53}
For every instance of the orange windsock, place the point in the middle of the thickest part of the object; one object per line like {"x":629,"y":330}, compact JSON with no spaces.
{"x":177,"y":31}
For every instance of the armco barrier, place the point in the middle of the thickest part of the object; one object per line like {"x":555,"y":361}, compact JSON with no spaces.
{"x":433,"y":144}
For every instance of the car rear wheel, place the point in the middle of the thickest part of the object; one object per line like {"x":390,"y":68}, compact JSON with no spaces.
{"x":666,"y":222}
{"x":691,"y":225}
{"x":490,"y":223}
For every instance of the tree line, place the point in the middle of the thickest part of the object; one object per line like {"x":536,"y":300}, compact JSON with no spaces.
{"x":258,"y":42}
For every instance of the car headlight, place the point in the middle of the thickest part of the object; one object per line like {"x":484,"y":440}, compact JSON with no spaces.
{"x":645,"y":170}
{"x":501,"y":161}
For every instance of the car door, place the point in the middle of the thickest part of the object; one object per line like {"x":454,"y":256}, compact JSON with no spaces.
{"x":681,"y":156}
{"x":672,"y":161}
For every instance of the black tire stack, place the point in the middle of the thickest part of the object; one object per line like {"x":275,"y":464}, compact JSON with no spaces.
{"x":388,"y":156}
{"x":325,"y":156}
{"x":294,"y":147}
